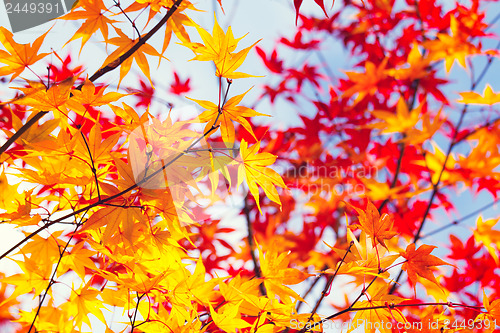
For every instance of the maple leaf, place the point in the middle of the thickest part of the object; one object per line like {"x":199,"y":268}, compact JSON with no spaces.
{"x":416,"y":66}
{"x":277,"y":275}
{"x":230,"y":112}
{"x":219,"y":48}
{"x":435,"y":161}
{"x":382,"y":316}
{"x":18,"y":56}
{"x":179,"y":87}
{"x":451,"y":47}
{"x":493,"y":311}
{"x":93,"y":13}
{"x":253,"y":168}
{"x":85,"y":301}
{"x":298,"y":3}
{"x":77,"y":259}
{"x":124,"y":44}
{"x":363,"y":259}
{"x":402,"y":121}
{"x":227,"y":318}
{"x":489,"y":97}
{"x":54,"y":99}
{"x":114,"y":217}
{"x":420,"y":262}
{"x":377,"y":227}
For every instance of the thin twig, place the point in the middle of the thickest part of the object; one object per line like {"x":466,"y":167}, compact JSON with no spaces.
{"x":251,"y":246}
{"x":460,"y":220}
{"x":52,"y":278}
{"x":94,"y":171}
{"x":328,"y":284}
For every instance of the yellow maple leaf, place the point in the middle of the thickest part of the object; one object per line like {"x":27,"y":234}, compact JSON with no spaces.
{"x":451,"y":47}
{"x":489,"y":97}
{"x":42,"y":99}
{"x":124,"y":44}
{"x":363,"y":259}
{"x":416,"y":66}
{"x":227,"y":319}
{"x":492,"y":315}
{"x":93,"y":13}
{"x":230,"y":112}
{"x":219,"y":48}
{"x":373,"y":320}
{"x":18,"y":56}
{"x":434,"y":162}
{"x":253,"y":168}
{"x":85,"y":301}
{"x":277,"y":275}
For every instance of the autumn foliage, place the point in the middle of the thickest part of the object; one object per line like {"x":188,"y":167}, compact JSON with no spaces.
{"x":345,"y":221}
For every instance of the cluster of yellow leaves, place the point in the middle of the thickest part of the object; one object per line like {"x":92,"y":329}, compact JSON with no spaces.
{"x":129,"y":228}
{"x":219,"y":48}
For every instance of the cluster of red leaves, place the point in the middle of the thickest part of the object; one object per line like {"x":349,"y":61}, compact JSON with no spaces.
{"x":404,"y":52}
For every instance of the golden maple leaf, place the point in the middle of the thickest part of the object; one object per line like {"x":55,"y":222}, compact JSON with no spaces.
{"x":230,"y":112}
{"x":489,"y":97}
{"x":253,"y":168}
{"x":219,"y":48}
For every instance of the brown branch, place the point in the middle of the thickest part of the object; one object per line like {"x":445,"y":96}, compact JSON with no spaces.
{"x":392,"y":306}
{"x":251,"y":245}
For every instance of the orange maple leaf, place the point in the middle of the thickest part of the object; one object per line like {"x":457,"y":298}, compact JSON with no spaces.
{"x":93,"y":14}
{"x":366,"y":83}
{"x":231,"y":111}
{"x":377,"y":227}
{"x":420,"y":262}
{"x":18,"y":56}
